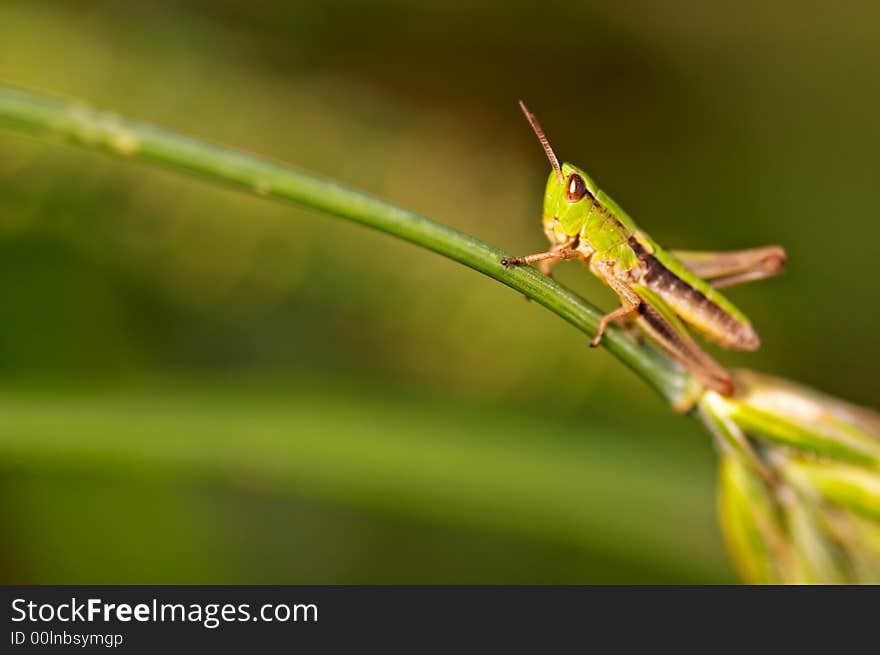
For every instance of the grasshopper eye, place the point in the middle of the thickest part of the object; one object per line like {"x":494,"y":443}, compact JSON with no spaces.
{"x":576,"y":188}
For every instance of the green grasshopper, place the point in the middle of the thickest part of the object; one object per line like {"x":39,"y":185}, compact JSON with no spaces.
{"x":660,"y":291}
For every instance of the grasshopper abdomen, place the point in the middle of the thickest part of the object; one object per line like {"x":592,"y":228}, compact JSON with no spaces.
{"x":696,"y":306}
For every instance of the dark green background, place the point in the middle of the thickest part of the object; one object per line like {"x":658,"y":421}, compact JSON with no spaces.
{"x":197,"y":386}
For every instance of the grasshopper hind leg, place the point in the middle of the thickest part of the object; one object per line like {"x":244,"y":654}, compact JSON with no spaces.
{"x":659,"y":322}
{"x":683,"y":348}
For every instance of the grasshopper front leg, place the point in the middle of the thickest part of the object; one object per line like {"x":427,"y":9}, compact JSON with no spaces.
{"x":725,"y":269}
{"x":545,"y":260}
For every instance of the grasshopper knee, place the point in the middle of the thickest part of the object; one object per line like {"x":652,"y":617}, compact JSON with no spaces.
{"x":775,"y":259}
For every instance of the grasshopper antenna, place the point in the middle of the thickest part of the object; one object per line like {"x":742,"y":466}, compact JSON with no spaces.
{"x":536,"y":126}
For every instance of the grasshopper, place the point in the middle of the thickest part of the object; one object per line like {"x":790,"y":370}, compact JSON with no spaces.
{"x":660,"y":291}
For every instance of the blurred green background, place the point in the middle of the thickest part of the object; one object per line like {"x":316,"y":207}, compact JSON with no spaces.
{"x":202,"y":387}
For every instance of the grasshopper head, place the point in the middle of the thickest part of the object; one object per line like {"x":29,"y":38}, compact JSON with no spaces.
{"x":569,"y":194}
{"x":567,"y":200}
